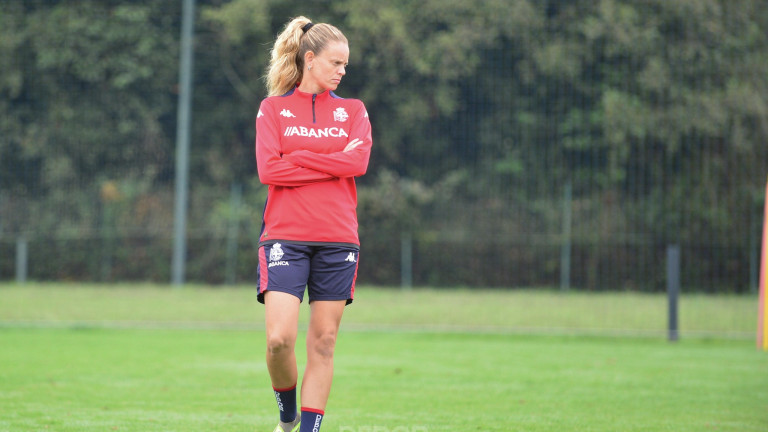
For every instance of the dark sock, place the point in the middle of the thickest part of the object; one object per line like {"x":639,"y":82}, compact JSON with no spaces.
{"x":311,"y":419}
{"x":286,"y":402}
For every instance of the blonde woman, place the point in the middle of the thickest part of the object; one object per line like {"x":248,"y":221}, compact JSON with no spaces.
{"x":310,"y":146}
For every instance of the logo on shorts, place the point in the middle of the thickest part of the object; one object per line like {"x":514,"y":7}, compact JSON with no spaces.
{"x":275,"y":255}
{"x":351,"y":257}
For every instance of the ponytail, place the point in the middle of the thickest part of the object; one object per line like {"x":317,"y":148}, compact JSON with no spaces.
{"x":286,"y":66}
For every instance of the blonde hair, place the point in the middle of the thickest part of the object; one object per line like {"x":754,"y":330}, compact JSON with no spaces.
{"x":286,"y":67}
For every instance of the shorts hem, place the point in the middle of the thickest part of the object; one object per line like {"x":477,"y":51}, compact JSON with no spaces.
{"x":331,"y":298}
{"x":260,"y":296}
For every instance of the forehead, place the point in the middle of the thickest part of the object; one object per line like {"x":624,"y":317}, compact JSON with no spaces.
{"x":336,"y":50}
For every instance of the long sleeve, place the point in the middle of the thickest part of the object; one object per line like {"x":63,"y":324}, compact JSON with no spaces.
{"x":272,"y":167}
{"x":312,"y":196}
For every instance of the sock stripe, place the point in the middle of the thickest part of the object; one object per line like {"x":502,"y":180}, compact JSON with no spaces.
{"x":313,"y":410}
{"x":283,"y":389}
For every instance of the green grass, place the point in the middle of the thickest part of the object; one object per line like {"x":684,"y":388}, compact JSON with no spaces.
{"x":100,"y":358}
{"x":526,"y":311}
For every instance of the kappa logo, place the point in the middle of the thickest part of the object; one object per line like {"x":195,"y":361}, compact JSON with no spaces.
{"x":340,"y":115}
{"x":275,"y":255}
{"x":286,"y":113}
{"x":351,"y":257}
{"x":260,"y":114}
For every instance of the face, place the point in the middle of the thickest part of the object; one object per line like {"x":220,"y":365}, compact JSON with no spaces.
{"x":328,"y":67}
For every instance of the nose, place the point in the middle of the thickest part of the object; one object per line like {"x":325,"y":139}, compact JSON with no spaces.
{"x":342,"y":70}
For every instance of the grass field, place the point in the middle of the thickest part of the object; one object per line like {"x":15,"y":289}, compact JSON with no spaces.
{"x":517,"y":311}
{"x":148,"y":358}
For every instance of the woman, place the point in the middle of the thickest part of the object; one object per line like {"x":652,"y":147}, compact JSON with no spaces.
{"x":310,"y":144}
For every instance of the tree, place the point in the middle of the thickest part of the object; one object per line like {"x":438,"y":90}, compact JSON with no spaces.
{"x":87,"y":91}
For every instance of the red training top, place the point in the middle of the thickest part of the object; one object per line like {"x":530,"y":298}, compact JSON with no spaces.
{"x":300,"y":138}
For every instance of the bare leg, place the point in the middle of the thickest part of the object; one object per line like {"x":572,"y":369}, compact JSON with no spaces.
{"x":282,"y":320}
{"x":321,"y":340}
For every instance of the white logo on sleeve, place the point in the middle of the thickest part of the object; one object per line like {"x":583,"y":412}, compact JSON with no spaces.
{"x":340,"y":115}
{"x":351,"y":257}
{"x":286,"y":113}
{"x":260,"y":114}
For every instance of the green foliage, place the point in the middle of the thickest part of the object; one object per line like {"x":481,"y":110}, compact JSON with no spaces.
{"x":655,"y":111}
{"x":96,"y":89}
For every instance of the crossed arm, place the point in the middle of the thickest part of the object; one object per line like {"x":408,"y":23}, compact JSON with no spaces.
{"x":350,"y":162}
{"x":304,"y":167}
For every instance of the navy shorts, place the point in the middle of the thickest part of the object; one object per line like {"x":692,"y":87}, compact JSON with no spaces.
{"x":327,"y":272}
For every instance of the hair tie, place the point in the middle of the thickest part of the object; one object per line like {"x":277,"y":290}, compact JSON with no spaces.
{"x":307,"y":26}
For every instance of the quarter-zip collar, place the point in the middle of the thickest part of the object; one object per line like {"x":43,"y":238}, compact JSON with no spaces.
{"x":297,"y":92}
{"x":312,"y":98}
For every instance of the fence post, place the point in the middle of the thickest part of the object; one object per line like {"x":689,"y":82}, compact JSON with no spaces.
{"x":673,"y":289}
{"x":107,"y":238}
{"x":406,"y":260}
{"x":565,"y":244}
{"x":233,"y":232}
{"x":178,"y":262}
{"x":754,"y":256}
{"x":22,"y":257}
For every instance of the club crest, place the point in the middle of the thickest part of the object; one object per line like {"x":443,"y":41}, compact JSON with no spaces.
{"x":276,"y":252}
{"x":340,"y":115}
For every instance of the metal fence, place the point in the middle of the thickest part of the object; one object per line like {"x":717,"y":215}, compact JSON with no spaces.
{"x":544,"y":179}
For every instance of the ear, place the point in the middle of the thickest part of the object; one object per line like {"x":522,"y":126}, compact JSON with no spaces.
{"x":309,"y":57}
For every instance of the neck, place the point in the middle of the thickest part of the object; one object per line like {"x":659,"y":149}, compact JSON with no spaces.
{"x":313,"y":88}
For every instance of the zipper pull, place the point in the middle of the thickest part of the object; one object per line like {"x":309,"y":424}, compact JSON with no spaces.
{"x":314,"y":118}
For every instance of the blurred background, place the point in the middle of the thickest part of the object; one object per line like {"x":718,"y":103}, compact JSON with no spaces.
{"x":517,"y":143}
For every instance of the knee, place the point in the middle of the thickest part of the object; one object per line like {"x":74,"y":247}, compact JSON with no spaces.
{"x":278,"y":344}
{"x":323,"y":345}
